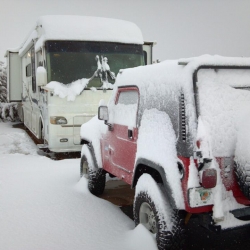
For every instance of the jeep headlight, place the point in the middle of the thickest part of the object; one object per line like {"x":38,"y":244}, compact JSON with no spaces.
{"x":58,"y":120}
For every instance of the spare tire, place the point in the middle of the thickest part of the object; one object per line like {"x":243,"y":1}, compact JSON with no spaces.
{"x":243,"y":179}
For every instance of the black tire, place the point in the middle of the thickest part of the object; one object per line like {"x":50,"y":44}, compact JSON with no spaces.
{"x":165,"y":238}
{"x":96,"y":176}
{"x":42,"y":132}
{"x":242,"y":179}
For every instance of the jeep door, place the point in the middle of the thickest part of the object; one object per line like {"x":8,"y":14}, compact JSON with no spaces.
{"x":119,"y":147}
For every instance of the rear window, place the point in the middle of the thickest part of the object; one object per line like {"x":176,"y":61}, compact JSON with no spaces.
{"x":223,"y":103}
{"x":230,"y":77}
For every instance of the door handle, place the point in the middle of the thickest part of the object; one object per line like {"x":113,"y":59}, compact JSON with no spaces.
{"x":130,"y":133}
{"x":110,"y":150}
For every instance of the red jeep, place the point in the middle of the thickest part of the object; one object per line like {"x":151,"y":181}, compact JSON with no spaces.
{"x":178,"y":132}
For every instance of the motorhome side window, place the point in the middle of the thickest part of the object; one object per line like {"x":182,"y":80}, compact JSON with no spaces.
{"x":33,"y":69}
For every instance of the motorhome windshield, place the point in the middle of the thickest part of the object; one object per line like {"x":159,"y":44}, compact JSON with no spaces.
{"x":68,"y":61}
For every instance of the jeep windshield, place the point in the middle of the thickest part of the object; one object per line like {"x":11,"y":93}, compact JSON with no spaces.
{"x":68,"y":61}
{"x":223,"y":104}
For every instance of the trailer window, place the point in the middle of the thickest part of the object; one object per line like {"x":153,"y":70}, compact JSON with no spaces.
{"x":28,"y":70}
{"x":68,"y":61}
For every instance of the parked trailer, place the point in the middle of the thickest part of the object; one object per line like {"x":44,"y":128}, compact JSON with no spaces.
{"x":64,"y":67}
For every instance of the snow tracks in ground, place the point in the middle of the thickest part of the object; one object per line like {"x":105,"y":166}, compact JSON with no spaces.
{"x":44,"y":204}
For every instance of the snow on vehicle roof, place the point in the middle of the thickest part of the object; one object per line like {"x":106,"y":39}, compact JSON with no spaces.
{"x":27,"y":44}
{"x":171,"y":72}
{"x":160,"y":81}
{"x":11,"y":50}
{"x":215,"y":60}
{"x":83,"y":28}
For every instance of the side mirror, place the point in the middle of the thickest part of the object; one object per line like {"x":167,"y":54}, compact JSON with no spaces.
{"x":41,"y":76}
{"x":103,"y":113}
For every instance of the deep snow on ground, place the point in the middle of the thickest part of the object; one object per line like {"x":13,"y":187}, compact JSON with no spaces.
{"x":44,"y":205}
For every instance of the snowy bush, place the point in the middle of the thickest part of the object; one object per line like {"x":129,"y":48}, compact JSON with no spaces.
{"x":8,"y":112}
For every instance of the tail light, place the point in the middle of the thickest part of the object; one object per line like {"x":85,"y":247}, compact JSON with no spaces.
{"x":209,"y":178}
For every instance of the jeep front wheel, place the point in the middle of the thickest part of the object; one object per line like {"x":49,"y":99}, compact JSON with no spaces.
{"x":96,"y":176}
{"x":152,"y":210}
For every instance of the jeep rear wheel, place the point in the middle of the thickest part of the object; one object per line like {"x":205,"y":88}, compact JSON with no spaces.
{"x":151,"y":211}
{"x":96,"y":176}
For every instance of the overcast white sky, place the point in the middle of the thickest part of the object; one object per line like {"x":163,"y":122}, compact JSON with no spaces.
{"x":182,"y":28}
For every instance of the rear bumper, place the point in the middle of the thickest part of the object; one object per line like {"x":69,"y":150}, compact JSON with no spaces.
{"x":241,"y":213}
{"x":234,"y":219}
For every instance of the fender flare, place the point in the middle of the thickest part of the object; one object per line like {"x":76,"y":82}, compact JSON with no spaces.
{"x":92,"y":152}
{"x":155,"y":167}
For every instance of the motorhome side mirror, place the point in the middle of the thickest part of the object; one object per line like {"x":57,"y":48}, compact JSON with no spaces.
{"x":103,"y":113}
{"x":41,"y":76}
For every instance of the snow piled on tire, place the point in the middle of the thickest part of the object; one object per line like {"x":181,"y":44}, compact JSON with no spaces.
{"x":148,"y":185}
{"x":160,"y":148}
{"x":95,"y":130}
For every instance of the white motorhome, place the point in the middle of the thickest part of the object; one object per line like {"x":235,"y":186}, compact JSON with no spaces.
{"x":63,"y":69}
